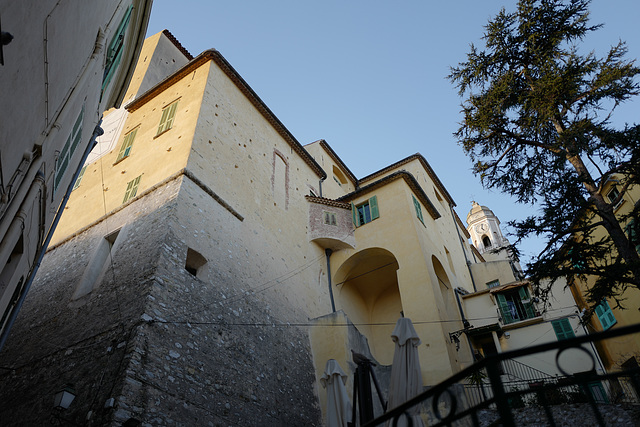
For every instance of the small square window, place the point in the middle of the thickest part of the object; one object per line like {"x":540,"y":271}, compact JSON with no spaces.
{"x":330,"y":218}
{"x":493,"y":283}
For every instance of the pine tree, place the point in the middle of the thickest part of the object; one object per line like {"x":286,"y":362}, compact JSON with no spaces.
{"x":537,"y":124}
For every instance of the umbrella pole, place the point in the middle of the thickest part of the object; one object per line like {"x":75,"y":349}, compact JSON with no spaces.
{"x":364,"y":392}
{"x":355,"y":402}
{"x":375,"y":383}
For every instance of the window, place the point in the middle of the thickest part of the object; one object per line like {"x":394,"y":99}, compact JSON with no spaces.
{"x":486,"y":241}
{"x":604,"y":313}
{"x":563,"y":329}
{"x":114,"y":51}
{"x":67,"y":151}
{"x":416,"y":204}
{"x":631,"y":230}
{"x":612,"y":195}
{"x":79,"y":178}
{"x":132,"y":189}
{"x":365,"y":212}
{"x":125,"y":148}
{"x":330,"y":218}
{"x":515,"y":305}
{"x":493,"y":283}
{"x":97,"y":266}
{"x":194,"y":262}
{"x":168,"y":114}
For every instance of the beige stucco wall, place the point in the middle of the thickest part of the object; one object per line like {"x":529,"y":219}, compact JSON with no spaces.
{"x":412,"y":244}
{"x":481,"y":310}
{"x":154,"y":157}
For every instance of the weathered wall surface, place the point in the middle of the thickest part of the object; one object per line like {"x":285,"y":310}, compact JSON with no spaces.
{"x":168,"y":346}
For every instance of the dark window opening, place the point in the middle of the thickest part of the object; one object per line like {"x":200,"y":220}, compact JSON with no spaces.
{"x":194,"y":262}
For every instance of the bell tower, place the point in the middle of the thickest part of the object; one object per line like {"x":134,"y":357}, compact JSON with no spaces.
{"x":484,"y":228}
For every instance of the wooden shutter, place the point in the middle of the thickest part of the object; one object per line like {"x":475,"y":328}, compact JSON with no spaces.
{"x":504,"y":309}
{"x":416,"y":204}
{"x":168,"y":115}
{"x":125,"y":149}
{"x":354,"y":213}
{"x":528,"y":306}
{"x":604,"y":313}
{"x":373,"y":205}
{"x":114,"y":51}
{"x":563,"y":329}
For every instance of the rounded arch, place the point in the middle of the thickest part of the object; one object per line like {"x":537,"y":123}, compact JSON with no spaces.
{"x":486,"y":241}
{"x":444,"y":284}
{"x":368,"y":293}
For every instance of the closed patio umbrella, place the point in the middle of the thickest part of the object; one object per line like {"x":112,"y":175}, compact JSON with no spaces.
{"x":338,"y":403}
{"x":406,"y":378}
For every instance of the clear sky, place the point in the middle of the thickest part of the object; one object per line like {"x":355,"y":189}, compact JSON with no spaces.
{"x":369,"y":77}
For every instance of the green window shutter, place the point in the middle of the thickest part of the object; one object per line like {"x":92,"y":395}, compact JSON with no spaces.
{"x":132,"y":189}
{"x":504,"y":309}
{"x":168,"y":115}
{"x":125,"y":148}
{"x":630,"y":230}
{"x":416,"y":204}
{"x":563,"y":329}
{"x":354,"y":213}
{"x":114,"y":51}
{"x":373,"y":205}
{"x":528,"y":306}
{"x":604,"y":313}
{"x":80,"y":175}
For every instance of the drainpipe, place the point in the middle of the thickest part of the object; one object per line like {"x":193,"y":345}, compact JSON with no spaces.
{"x":465,"y":322}
{"x":23,"y":294}
{"x":455,"y":224}
{"x":328,"y":253}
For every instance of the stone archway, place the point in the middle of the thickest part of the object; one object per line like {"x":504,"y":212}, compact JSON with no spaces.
{"x":368,"y":293}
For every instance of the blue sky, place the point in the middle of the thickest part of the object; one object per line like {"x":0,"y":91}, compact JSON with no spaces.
{"x":369,"y":77}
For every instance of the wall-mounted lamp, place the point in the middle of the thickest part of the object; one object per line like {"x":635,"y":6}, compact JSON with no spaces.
{"x":64,"y":397}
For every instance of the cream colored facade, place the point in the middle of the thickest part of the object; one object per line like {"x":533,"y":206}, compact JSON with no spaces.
{"x":504,"y":313}
{"x":336,"y":258}
{"x":623,"y":352}
{"x":68,"y":62}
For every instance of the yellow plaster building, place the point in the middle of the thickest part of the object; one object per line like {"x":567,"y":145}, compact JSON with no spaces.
{"x":227,"y":262}
{"x":621,"y":352}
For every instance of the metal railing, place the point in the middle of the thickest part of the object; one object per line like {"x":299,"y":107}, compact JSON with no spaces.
{"x":466,"y":396}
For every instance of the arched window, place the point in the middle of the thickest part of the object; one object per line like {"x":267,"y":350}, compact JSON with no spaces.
{"x":486,"y":241}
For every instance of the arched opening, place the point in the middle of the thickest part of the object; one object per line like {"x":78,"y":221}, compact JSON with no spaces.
{"x":486,"y":241}
{"x":444,"y":285}
{"x":368,"y":293}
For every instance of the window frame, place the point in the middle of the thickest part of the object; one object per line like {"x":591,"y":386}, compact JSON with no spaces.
{"x":127,"y":144}
{"x":563,"y":329}
{"x":168,"y":117}
{"x":522,"y":308}
{"x":132,"y":189}
{"x":115,"y":49}
{"x":79,"y":178}
{"x":605,"y":315}
{"x":329,"y":218}
{"x":374,"y":211}
{"x":418,"y":207}
{"x":65,"y":155}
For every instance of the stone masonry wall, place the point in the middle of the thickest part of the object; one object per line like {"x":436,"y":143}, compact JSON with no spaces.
{"x":166,"y":346}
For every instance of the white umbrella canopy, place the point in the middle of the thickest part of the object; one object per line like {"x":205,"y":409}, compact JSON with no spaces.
{"x":406,"y":377}
{"x":338,"y":403}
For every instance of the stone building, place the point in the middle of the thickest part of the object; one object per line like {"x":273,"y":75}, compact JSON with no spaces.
{"x":208,"y":264}
{"x":66,"y":62}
